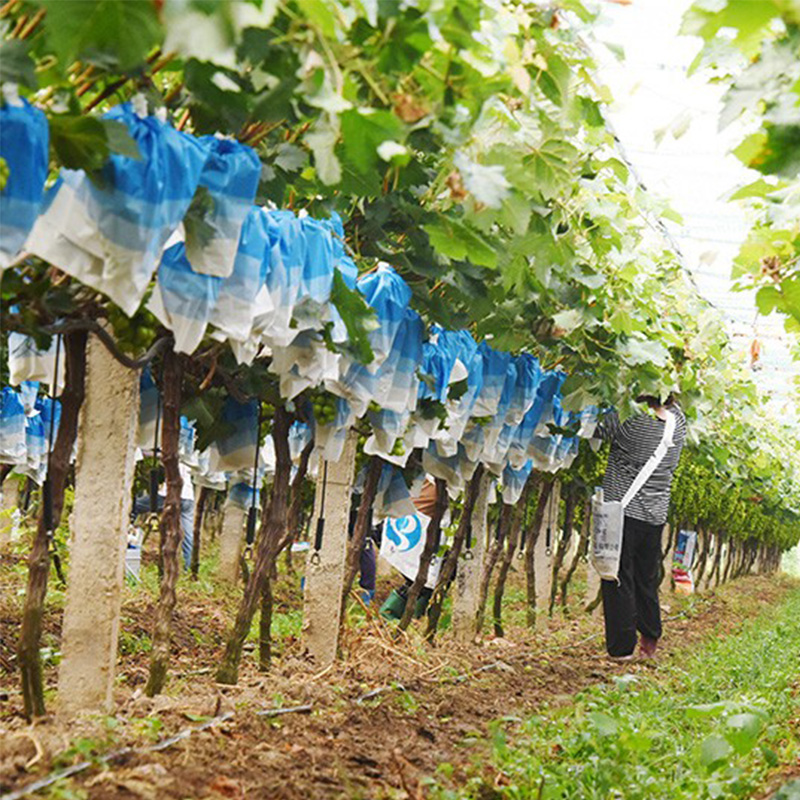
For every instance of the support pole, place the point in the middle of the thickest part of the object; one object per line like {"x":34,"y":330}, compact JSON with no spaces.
{"x":231,"y":540}
{"x":325,"y":567}
{"x":714,"y":553}
{"x":544,"y":551}
{"x":466,"y":597}
{"x":8,"y":504}
{"x":593,"y":582}
{"x":103,"y":480}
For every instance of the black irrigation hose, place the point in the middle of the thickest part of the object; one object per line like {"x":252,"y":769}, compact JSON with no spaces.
{"x":154,"y":468}
{"x":548,"y":542}
{"x":278,"y":712}
{"x":320,"y":532}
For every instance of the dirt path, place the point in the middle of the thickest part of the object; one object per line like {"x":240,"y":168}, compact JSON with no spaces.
{"x":380,"y":747}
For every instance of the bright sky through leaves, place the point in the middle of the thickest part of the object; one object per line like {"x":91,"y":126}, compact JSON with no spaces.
{"x":669,"y":126}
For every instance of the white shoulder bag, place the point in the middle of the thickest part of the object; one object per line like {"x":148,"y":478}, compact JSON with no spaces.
{"x":608,"y":518}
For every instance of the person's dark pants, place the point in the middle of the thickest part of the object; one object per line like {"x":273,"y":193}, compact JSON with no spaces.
{"x":632,"y":604}
{"x":368,"y":566}
{"x":141,"y":505}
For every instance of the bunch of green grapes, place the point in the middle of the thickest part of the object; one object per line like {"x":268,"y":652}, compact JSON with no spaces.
{"x":324,"y":405}
{"x":399,"y":448}
{"x":135,"y":333}
{"x":4,"y":173}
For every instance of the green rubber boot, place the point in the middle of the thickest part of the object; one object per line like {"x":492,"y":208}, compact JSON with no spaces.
{"x":394,"y":606}
{"x":422,"y":605}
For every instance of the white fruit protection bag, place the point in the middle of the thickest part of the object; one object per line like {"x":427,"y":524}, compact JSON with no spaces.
{"x":608,"y":518}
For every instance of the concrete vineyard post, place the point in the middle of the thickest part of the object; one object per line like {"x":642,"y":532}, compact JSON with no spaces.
{"x":723,"y":562}
{"x":592,"y":581}
{"x":103,"y":479}
{"x":715,"y":552}
{"x":470,"y":569}
{"x":8,"y":504}
{"x":231,"y":540}
{"x":727,"y":565}
{"x":572,"y":548}
{"x":543,"y":552}
{"x":325,"y":569}
{"x":701,"y":582}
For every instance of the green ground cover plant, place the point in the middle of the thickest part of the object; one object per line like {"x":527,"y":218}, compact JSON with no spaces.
{"x":712,"y":727}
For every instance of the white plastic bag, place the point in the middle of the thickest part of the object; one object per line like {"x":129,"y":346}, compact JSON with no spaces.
{"x":608,"y":520}
{"x":27,"y":363}
{"x":402,"y":545}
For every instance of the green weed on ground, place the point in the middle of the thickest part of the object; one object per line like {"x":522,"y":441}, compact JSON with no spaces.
{"x":711,"y":727}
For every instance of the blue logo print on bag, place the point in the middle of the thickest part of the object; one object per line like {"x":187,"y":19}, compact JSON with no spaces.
{"x":405,"y":532}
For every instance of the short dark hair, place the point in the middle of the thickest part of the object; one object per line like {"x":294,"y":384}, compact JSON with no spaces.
{"x":655,"y":402}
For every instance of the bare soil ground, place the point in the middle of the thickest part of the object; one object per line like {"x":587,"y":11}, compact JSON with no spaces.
{"x":430,"y":718}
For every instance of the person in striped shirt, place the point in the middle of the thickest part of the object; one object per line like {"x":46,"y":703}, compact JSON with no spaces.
{"x":631,"y":604}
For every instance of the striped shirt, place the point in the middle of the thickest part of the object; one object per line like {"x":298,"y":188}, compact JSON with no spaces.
{"x":632,"y":444}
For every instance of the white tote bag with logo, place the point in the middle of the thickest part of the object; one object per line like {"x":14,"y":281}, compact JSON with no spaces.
{"x":608,"y":518}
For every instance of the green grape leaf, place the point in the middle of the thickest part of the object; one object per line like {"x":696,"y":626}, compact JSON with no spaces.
{"x":122,"y":32}
{"x":455,"y":239}
{"x":578,"y":398}
{"x":457,"y":390}
{"x":552,"y":165}
{"x":759,"y":188}
{"x":749,"y":18}
{"x":16,"y":66}
{"x":321,"y":140}
{"x":321,"y":14}
{"x":119,"y":141}
{"x":780,"y":152}
{"x":768,"y":298}
{"x":642,"y":351}
{"x":363,"y":131}
{"x":86,"y":142}
{"x":358,"y":317}
{"x":199,"y":231}
{"x":622,"y":321}
{"x":568,"y":320}
{"x":590,"y":109}
{"x":790,"y":290}
{"x":555,"y":80}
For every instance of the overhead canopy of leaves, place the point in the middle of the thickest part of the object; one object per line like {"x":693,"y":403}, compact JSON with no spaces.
{"x":480,"y":166}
